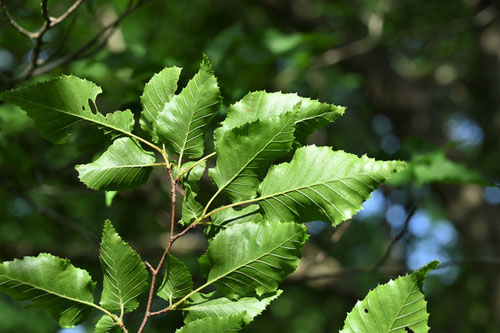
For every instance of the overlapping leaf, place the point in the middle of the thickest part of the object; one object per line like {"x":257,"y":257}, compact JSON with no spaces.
{"x":50,"y":283}
{"x":250,"y":257}
{"x":398,"y":306}
{"x":177,"y":282}
{"x":57,"y":104}
{"x":124,"y":166}
{"x":107,"y":325}
{"x":321,"y":184}
{"x":245,"y":153}
{"x":157,"y":92}
{"x":230,"y":216}
{"x":214,"y":325}
{"x":219,"y":307}
{"x":184,"y":118}
{"x":125,"y":275}
{"x":191,"y":209}
{"x":310,"y":114}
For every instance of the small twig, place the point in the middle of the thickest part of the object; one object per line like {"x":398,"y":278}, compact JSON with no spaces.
{"x":13,"y":23}
{"x":395,"y":239}
{"x":45,"y":11}
{"x":151,"y":268}
{"x":67,"y":13}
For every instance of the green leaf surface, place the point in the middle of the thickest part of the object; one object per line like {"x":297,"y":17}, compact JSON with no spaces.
{"x":191,"y":209}
{"x":245,"y":153}
{"x":50,"y":283}
{"x":177,"y":282}
{"x":157,"y":92}
{"x":249,"y":257}
{"x":57,"y":104}
{"x":125,"y":275}
{"x":321,"y":184}
{"x":310,"y":114}
{"x":397,"y":306}
{"x":230,"y":216}
{"x":251,"y":307}
{"x":124,"y":166}
{"x":214,"y":325}
{"x":183,"y":120}
{"x":107,"y":325}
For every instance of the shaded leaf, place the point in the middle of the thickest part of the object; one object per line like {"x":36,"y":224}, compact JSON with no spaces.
{"x":245,"y":153}
{"x":321,"y":184}
{"x":109,"y":196}
{"x":397,"y":306}
{"x":157,"y":92}
{"x":250,"y":257}
{"x":184,"y":118}
{"x":251,"y":307}
{"x":59,"y":103}
{"x":310,"y":114}
{"x":124,"y":166}
{"x":191,"y":209}
{"x":177,"y":282}
{"x":50,"y":283}
{"x":214,"y":325}
{"x":230,"y":216}
{"x":125,"y":275}
{"x":107,"y":325}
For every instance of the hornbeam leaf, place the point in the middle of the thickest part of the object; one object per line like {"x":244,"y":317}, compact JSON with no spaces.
{"x":397,"y":306}
{"x":57,"y":104}
{"x":251,"y":306}
{"x":177,"y":282}
{"x":124,"y":166}
{"x":310,"y":114}
{"x":191,"y":209}
{"x":107,"y":325}
{"x":184,"y":117}
{"x":50,"y":283}
{"x":157,"y":92}
{"x":230,"y":216}
{"x":214,"y":325}
{"x":125,"y":275}
{"x":321,"y":184}
{"x":245,"y":153}
{"x":249,"y":257}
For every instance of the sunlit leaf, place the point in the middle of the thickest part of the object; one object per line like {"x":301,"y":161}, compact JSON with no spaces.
{"x":177,"y":282}
{"x":107,"y":325}
{"x":214,"y":325}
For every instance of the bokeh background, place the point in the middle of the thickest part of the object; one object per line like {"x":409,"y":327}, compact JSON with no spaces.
{"x":421,"y":83}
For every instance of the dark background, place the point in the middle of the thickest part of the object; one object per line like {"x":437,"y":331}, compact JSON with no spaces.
{"x":420,"y":80}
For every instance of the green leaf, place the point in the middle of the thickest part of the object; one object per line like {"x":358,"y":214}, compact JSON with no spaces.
{"x":397,"y":306}
{"x":57,"y":104}
{"x":250,"y":257}
{"x":109,"y":196}
{"x":124,"y":166}
{"x":214,"y":325}
{"x":310,"y":114}
{"x":183,"y":120}
{"x":177,"y":282}
{"x":125,"y":275}
{"x":191,"y":209}
{"x":251,"y":307}
{"x":435,"y":167}
{"x":107,"y":325}
{"x":321,"y":184}
{"x":230,"y":216}
{"x":245,"y":153}
{"x":50,"y":283}
{"x":157,"y":92}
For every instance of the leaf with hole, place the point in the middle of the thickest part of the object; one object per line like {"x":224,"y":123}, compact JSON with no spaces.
{"x":50,"y":283}
{"x":60,"y":103}
{"x":252,"y":258}
{"x":397,"y":306}
{"x":125,"y":275}
{"x":124,"y":166}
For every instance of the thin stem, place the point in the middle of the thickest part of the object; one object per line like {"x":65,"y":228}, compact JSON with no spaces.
{"x":13,"y":23}
{"x":45,"y":11}
{"x":67,"y":13}
{"x":183,"y":172}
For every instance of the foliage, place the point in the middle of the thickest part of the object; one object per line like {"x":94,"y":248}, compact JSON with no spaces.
{"x":251,"y":249}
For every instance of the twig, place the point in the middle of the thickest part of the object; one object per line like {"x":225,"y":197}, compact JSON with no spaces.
{"x":45,"y":11}
{"x":395,"y":239}
{"x":13,"y":23}
{"x":67,"y":13}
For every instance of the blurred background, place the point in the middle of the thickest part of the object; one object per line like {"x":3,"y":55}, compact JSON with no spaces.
{"x":421,"y":83}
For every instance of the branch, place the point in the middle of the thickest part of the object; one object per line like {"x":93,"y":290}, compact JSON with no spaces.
{"x":67,"y":13}
{"x":13,"y":23}
{"x":45,"y":11}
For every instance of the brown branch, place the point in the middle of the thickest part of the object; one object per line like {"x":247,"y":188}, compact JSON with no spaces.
{"x":13,"y":22}
{"x":67,"y":13}
{"x":45,"y":11}
{"x":395,"y":240}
